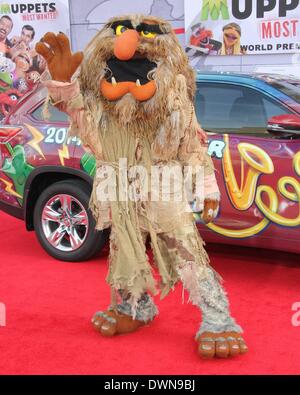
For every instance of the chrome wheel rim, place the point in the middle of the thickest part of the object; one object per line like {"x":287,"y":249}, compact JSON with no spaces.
{"x":65,"y":222}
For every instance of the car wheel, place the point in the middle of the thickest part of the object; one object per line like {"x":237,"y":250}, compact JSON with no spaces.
{"x":63,"y":223}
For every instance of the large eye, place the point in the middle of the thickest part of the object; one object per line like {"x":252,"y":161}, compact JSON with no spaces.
{"x":120,"y":29}
{"x":146,"y":34}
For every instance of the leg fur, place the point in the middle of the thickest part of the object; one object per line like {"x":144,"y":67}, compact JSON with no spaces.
{"x":219,"y":334}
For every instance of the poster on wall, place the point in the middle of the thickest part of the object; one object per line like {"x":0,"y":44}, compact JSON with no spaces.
{"x":241,"y":27}
{"x":22,"y":25}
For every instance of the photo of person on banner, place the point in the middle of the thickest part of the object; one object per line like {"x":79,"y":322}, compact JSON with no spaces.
{"x":232,"y":40}
{"x":26,"y":36}
{"x":6,"y":25}
{"x":18,"y":73}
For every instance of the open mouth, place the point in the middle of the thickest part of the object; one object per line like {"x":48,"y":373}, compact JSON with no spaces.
{"x":135,"y":69}
{"x":3,"y":84}
{"x":129,"y":76}
{"x":7,"y":109}
{"x":25,"y":58}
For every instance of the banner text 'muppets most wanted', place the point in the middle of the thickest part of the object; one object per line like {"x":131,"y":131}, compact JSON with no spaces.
{"x":22,"y":25}
{"x":240,"y":27}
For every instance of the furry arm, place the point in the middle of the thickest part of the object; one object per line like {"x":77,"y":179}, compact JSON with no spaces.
{"x":67,"y":98}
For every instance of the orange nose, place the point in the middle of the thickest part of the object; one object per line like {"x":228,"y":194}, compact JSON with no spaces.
{"x":126,"y":44}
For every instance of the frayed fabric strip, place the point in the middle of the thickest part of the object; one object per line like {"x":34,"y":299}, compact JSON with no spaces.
{"x":210,"y":185}
{"x":62,"y":91}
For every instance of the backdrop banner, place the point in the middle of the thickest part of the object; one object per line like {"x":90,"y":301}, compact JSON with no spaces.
{"x":240,"y":27}
{"x":21,"y":26}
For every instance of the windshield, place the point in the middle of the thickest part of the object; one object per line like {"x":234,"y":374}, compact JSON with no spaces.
{"x":289,"y":86}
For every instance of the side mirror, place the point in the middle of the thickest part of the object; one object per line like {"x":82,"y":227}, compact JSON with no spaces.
{"x":284,"y":126}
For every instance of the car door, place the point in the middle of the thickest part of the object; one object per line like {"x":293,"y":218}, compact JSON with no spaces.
{"x":29,"y":141}
{"x":54,"y":147}
{"x":256,"y":173}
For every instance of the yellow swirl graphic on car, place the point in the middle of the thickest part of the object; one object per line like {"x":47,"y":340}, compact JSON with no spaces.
{"x":246,"y":194}
{"x":271,"y":214}
{"x":242,"y":197}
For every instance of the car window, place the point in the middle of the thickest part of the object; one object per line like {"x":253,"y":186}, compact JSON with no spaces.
{"x":55,"y":114}
{"x":272,"y":108}
{"x":225,"y":108}
{"x":288,"y":85}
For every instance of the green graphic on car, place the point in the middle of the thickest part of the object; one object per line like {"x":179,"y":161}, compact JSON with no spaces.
{"x":88,"y":164}
{"x":17,"y":169}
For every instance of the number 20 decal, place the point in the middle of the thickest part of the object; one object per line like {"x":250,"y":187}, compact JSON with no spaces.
{"x":58,"y":136}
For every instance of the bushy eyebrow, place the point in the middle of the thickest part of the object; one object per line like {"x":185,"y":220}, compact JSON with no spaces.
{"x":152,"y":28}
{"x":124,"y":22}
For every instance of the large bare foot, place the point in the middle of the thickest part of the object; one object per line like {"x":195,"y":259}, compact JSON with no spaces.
{"x":221,"y":345}
{"x":110,"y":323}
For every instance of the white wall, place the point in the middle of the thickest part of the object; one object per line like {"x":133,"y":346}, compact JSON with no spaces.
{"x":88,"y":16}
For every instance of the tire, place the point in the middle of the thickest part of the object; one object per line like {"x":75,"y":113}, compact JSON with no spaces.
{"x":63,"y":223}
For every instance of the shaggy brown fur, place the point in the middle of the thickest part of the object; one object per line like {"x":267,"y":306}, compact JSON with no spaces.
{"x":158,"y":114}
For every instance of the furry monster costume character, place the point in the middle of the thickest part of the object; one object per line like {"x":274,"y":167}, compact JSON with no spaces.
{"x":132,"y":98}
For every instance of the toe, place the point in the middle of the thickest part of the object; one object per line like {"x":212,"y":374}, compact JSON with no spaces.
{"x":109,"y":326}
{"x":234,"y":347}
{"x":243,"y":346}
{"x":222,"y":348}
{"x":98,"y":319}
{"x":206,"y":348}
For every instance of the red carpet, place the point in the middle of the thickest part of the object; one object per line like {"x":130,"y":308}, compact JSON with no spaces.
{"x":49,"y":305}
